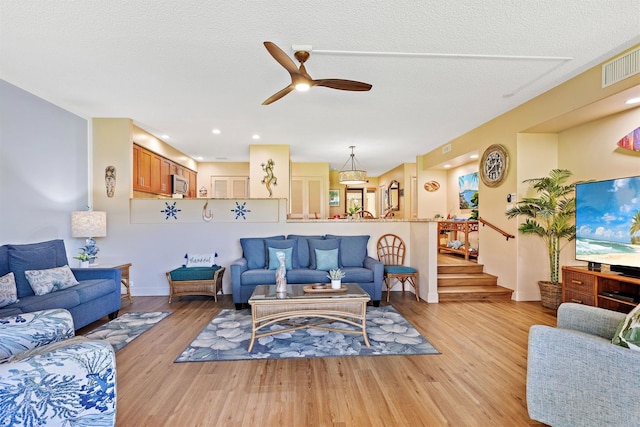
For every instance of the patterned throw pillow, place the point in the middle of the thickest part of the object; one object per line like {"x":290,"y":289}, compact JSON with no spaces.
{"x":8,"y":290}
{"x":628,"y":332}
{"x":53,"y":279}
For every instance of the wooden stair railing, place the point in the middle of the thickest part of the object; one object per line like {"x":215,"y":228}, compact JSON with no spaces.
{"x":504,"y":233}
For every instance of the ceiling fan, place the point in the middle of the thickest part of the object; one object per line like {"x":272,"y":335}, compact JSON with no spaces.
{"x":301,"y":80}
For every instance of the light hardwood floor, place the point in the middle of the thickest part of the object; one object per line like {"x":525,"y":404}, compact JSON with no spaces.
{"x":478,"y":380}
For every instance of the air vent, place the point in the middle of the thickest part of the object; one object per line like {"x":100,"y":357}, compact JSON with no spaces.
{"x":446,"y":148}
{"x":620,"y":68}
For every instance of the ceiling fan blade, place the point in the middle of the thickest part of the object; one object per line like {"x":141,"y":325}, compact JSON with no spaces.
{"x":279,"y":95}
{"x":343,"y":84}
{"x":282,"y":58}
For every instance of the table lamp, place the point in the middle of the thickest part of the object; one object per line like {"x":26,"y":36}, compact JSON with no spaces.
{"x":89,"y":224}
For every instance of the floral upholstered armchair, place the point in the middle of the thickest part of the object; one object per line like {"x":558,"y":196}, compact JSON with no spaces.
{"x":50,"y":377}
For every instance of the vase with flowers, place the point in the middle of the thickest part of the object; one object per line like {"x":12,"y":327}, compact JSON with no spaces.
{"x":353,"y":209}
{"x":84,"y":259}
{"x":336,"y":277}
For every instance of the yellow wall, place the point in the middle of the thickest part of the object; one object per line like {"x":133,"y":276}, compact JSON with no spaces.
{"x":402,"y":174}
{"x":334,"y":184}
{"x":519,"y":263}
{"x":259,"y":155}
{"x":206,"y":170}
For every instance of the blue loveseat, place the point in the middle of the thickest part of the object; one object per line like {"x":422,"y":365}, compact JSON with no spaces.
{"x":256,"y":267}
{"x":96,"y":295}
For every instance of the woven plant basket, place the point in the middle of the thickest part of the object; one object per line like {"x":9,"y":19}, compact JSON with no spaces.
{"x":551,"y":295}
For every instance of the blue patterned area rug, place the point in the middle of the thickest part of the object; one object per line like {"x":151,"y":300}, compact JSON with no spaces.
{"x":227,"y":338}
{"x":121,"y":331}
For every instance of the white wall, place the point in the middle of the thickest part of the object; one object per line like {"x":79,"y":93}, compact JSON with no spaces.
{"x":43,"y":168}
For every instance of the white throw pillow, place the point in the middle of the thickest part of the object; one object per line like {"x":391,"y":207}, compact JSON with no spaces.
{"x":200,"y":260}
{"x":8,"y":290}
{"x":53,"y":279}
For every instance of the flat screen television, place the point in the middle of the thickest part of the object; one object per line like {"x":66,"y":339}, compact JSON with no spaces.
{"x":608,"y":224}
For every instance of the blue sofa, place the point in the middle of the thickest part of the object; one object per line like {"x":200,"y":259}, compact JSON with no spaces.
{"x":257,"y":268}
{"x":97,"y":294}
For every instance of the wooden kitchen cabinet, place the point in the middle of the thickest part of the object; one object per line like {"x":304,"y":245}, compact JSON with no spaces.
{"x":165,"y":176}
{"x":152,"y":173}
{"x":142,"y":163}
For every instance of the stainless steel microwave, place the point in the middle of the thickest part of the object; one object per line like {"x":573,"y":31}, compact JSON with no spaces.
{"x":180,"y":184}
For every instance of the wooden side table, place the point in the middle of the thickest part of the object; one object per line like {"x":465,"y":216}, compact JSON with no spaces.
{"x":124,"y":269}
{"x":124,"y":275}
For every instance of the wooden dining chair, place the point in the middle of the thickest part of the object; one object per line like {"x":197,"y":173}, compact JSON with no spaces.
{"x":391,"y":251}
{"x":366,"y":215}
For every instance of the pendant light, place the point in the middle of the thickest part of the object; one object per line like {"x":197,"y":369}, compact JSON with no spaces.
{"x":352,"y":176}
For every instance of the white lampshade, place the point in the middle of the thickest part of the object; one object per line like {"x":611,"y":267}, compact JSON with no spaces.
{"x":352,"y":176}
{"x":88,"y":224}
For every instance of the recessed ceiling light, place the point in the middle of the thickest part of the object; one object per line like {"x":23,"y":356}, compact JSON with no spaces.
{"x":635,"y":100}
{"x":199,"y":158}
{"x":216,"y":131}
{"x":255,"y":136}
{"x":165,"y":136}
{"x":447,"y":166}
{"x":473,"y":156}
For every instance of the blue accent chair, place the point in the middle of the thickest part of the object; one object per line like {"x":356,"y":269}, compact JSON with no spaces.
{"x":391,"y":252}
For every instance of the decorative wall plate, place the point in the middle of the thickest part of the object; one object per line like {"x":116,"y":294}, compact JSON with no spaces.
{"x":431,"y":186}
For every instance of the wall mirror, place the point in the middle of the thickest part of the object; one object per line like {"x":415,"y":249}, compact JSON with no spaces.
{"x":393,"y":199}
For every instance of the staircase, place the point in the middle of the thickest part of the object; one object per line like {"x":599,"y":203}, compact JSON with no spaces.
{"x":461,"y":280}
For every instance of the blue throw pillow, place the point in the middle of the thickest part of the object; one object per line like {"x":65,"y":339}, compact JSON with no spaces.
{"x":253,"y":250}
{"x":353,"y":249}
{"x":324,"y":245}
{"x":304,"y":258}
{"x":326,"y":259}
{"x":274,"y":262}
{"x":292,"y":258}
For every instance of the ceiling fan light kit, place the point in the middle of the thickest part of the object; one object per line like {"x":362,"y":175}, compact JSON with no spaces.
{"x":352,"y":176}
{"x":301,"y":80}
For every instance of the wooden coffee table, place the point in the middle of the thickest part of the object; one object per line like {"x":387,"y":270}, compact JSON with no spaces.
{"x":267,"y":308}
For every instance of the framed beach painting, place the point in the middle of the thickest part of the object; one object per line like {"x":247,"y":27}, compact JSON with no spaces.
{"x":468,"y":185}
{"x":334,"y":197}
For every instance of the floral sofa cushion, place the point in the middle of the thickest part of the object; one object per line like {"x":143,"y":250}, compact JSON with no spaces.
{"x":67,"y":381}
{"x":30,"y":330}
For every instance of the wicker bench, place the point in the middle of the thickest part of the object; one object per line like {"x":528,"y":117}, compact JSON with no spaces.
{"x":195,"y":281}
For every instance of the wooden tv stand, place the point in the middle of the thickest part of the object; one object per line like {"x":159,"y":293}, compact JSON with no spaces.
{"x":584,"y":286}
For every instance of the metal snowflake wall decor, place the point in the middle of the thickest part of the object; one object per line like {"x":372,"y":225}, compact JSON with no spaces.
{"x":241,"y":210}
{"x":171,"y":210}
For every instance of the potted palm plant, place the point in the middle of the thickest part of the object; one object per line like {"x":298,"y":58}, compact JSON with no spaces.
{"x":551,"y":216}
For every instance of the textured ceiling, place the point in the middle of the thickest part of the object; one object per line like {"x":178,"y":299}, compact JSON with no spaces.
{"x":184,"y":68}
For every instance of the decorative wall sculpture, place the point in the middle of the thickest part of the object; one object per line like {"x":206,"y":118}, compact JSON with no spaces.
{"x":269,"y":179}
{"x":110,"y":180}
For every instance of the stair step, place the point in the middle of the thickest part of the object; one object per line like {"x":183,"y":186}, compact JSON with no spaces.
{"x":474,"y":293}
{"x":464,"y":279}
{"x":453,"y":268}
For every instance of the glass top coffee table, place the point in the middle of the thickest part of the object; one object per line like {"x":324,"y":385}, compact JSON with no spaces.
{"x":317,"y":306}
